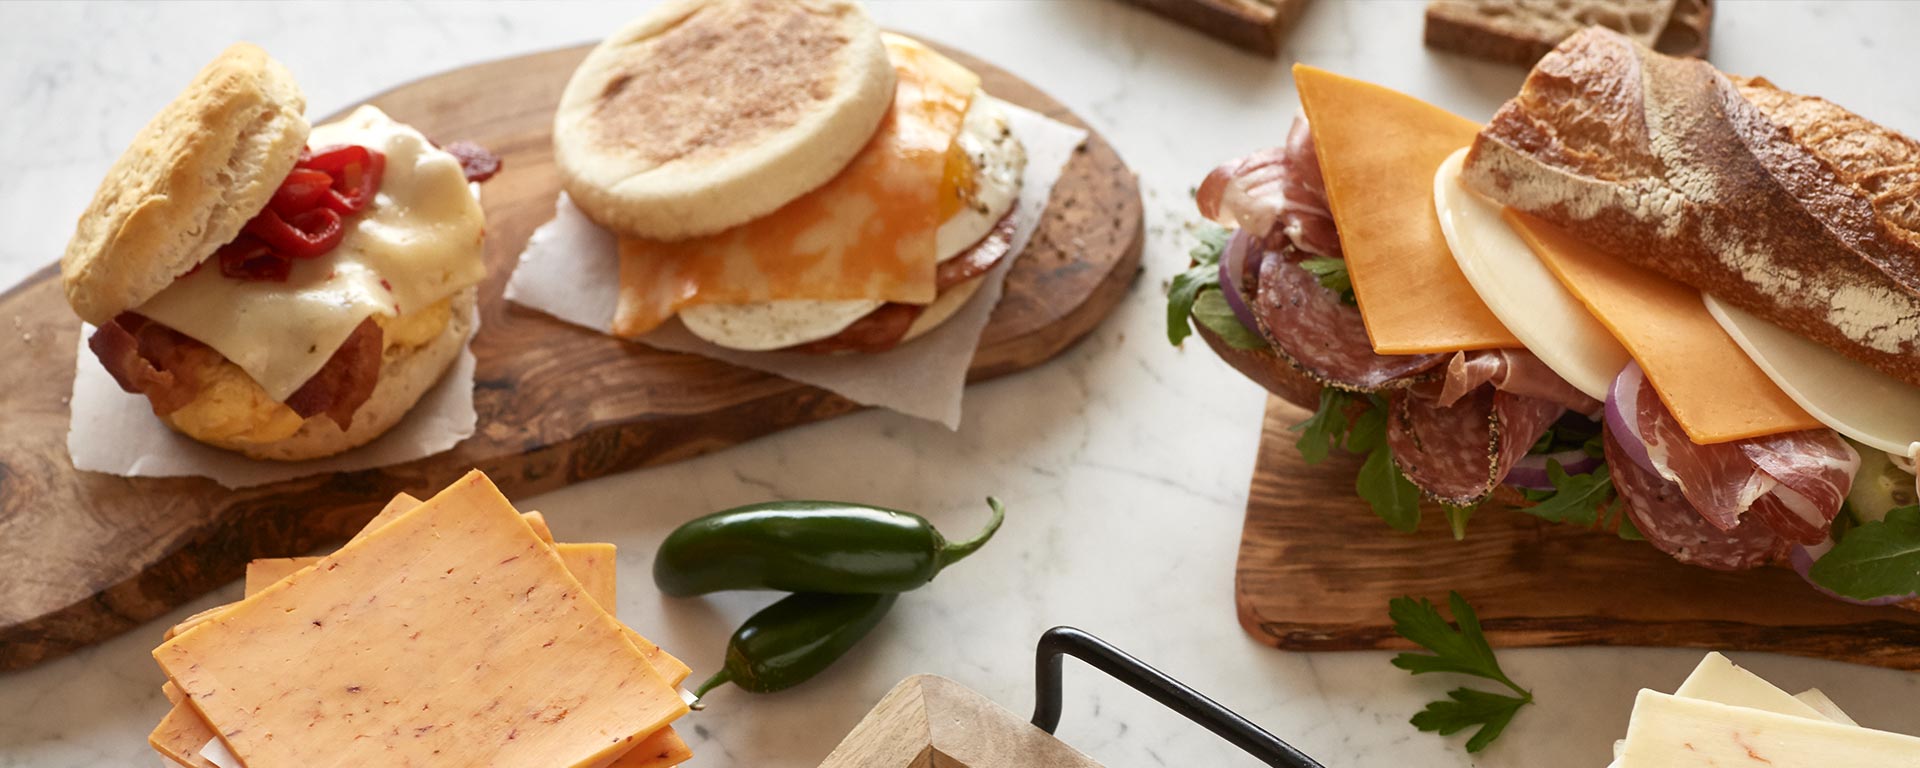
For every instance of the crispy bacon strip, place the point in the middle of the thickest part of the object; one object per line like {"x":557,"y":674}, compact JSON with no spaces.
{"x":345,"y":382}
{"x":147,"y":358}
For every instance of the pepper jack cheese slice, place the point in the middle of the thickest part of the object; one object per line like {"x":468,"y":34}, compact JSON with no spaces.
{"x":181,"y":734}
{"x":1378,"y":151}
{"x":1673,"y":732}
{"x":461,"y":588}
{"x":1713,"y":389}
{"x":870,"y":233}
{"x":418,"y":243}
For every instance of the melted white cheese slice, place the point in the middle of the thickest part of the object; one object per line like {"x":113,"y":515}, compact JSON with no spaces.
{"x":1520,"y":290}
{"x":1853,"y":399}
{"x":998,"y":160}
{"x":418,"y":243}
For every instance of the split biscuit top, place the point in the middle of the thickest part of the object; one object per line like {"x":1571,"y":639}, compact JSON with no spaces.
{"x":706,"y":114}
{"x":195,"y":174}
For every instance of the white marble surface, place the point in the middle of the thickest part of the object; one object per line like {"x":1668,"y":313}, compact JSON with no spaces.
{"x":1124,"y":464}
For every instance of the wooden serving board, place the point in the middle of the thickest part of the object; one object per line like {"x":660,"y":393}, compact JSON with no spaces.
{"x":1317,"y":568}
{"x":84,"y":556}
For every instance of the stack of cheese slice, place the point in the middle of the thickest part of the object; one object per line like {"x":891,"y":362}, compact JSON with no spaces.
{"x":453,"y":631}
{"x":1725,"y":716}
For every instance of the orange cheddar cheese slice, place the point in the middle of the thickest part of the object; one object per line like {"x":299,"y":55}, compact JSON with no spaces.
{"x":1378,"y":151}
{"x":1713,"y":389}
{"x":476,"y":603}
{"x":869,"y":233}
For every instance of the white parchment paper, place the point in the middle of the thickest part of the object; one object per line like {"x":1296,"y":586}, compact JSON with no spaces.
{"x":570,"y":269}
{"x":116,"y":432}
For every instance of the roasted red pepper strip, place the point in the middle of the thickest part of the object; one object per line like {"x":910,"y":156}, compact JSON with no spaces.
{"x":356,"y":173}
{"x":302,"y":191}
{"x":304,"y":236}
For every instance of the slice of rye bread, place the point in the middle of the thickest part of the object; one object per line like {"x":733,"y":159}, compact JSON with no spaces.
{"x":1252,"y":25}
{"x":1522,"y":31}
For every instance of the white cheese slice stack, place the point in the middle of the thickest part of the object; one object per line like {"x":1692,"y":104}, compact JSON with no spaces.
{"x":1726,"y":717}
{"x":417,"y":243}
{"x":1852,"y":398}
{"x":1520,"y":290}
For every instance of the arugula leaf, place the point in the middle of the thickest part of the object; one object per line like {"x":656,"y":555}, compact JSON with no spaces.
{"x":1323,"y":431}
{"x":1332,"y":273}
{"x":1876,"y":559}
{"x":1463,"y":651}
{"x":1457,"y":519}
{"x":1576,"y":499}
{"x":1392,"y":496}
{"x":1210,"y":309}
{"x":1186,"y":286}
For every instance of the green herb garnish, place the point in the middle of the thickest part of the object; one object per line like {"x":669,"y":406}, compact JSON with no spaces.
{"x":1463,"y":651}
{"x":1186,"y":286}
{"x":1875,"y":559}
{"x":1332,"y":273}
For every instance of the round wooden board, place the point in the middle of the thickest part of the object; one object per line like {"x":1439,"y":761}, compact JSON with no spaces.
{"x":84,"y":556}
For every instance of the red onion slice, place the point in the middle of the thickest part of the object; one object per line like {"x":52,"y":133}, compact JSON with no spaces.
{"x":1530,"y":471}
{"x":1803,"y":558}
{"x":1233,"y":270}
{"x":1623,"y":415}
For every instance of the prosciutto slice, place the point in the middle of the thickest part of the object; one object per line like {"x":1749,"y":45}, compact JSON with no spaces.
{"x":1662,"y":513}
{"x":1275,"y":190}
{"x":1515,"y":371}
{"x":1792,"y":483}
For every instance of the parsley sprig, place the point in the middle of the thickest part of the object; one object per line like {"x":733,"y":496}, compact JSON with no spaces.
{"x":1463,"y":651}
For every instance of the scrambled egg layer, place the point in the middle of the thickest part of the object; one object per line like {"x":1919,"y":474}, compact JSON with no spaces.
{"x":232,"y":408}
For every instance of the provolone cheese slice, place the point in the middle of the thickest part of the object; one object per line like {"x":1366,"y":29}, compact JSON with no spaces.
{"x":475,"y":602}
{"x":1713,"y":389}
{"x":418,"y":243}
{"x":1521,"y":291}
{"x":1378,"y":149}
{"x":1673,"y":732}
{"x":869,"y":233}
{"x":1854,"y":399}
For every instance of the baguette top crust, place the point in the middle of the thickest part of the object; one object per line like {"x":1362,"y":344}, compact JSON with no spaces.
{"x":1787,"y":206}
{"x":706,"y":114}
{"x":192,"y":177}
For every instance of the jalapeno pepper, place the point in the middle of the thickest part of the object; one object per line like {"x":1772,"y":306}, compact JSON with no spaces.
{"x":790,"y":641}
{"x":809,"y":546}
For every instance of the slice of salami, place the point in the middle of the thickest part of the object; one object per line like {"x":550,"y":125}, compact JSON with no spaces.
{"x":1322,"y":335}
{"x":1661,"y":512}
{"x":1457,"y":454}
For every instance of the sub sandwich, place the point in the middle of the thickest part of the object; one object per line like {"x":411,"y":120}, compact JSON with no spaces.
{"x":1647,"y":297}
{"x":282,"y":290}
{"x":783,"y":176}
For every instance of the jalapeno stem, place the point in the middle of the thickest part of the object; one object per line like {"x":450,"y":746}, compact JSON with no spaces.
{"x":953,"y":553}
{"x":719,"y":678}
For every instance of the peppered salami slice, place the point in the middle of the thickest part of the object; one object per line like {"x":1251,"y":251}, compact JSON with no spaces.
{"x":1458,"y":453}
{"x":1322,"y":335}
{"x":1661,"y":512}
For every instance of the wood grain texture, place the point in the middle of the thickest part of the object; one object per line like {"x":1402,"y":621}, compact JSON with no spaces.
{"x":1317,"y":568}
{"x":1255,"y":26}
{"x":84,"y":556}
{"x":928,"y":721}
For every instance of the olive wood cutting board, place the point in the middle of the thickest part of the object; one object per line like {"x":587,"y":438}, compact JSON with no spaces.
{"x":1317,"y":568}
{"x":84,"y":556}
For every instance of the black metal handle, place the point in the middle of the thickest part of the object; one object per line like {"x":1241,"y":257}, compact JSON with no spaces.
{"x":1097,"y":653}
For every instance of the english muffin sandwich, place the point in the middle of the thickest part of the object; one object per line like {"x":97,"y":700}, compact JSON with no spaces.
{"x":784,"y":176}
{"x":283,"y":291}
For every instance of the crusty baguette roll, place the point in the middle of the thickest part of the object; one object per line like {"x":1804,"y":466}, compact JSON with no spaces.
{"x":406,"y":373}
{"x":194,"y":175}
{"x":706,"y":114}
{"x":1787,"y":206}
